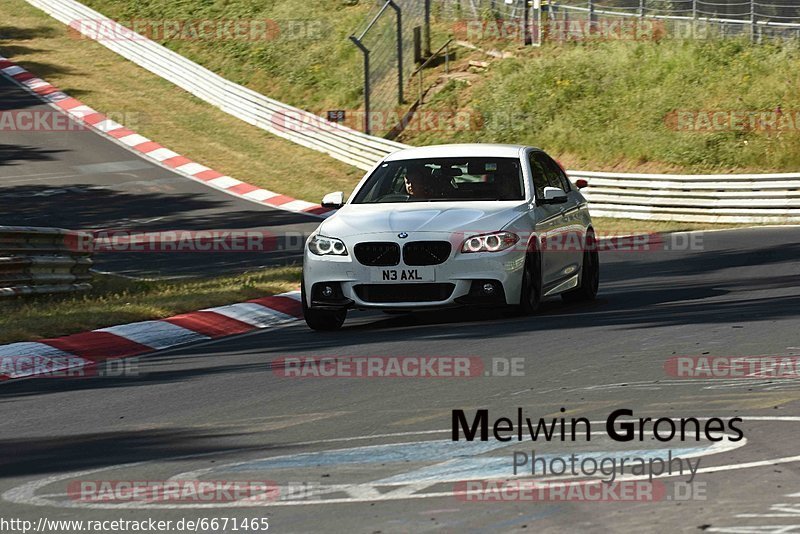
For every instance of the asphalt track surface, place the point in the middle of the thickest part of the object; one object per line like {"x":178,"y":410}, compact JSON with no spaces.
{"x":82,"y":180}
{"x":375,"y":453}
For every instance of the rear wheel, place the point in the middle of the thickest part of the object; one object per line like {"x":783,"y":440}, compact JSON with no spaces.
{"x":531,"y":293}
{"x":590,"y":275}
{"x":321,"y":319}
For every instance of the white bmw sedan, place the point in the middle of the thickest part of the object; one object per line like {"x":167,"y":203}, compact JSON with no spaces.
{"x":451,"y":225}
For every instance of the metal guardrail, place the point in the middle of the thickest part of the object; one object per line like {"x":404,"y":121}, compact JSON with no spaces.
{"x":712,"y":198}
{"x":767,"y":198}
{"x":44,"y":260}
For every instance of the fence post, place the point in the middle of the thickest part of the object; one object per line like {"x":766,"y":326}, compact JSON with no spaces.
{"x":641,"y":8}
{"x":694,"y":19}
{"x":365,"y":52}
{"x":752,"y":20}
{"x":525,"y":23}
{"x":591,"y":15}
{"x":399,"y":13}
{"x":428,"y":52}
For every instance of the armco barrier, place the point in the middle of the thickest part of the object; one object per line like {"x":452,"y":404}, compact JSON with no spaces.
{"x":43,"y":260}
{"x":767,"y":198}
{"x":712,"y":198}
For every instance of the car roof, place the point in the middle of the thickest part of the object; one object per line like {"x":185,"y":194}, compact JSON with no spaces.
{"x":458,"y":151}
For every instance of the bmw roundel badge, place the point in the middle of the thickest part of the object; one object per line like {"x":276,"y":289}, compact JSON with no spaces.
{"x":402,"y":235}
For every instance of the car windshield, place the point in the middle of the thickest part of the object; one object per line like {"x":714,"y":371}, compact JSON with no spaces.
{"x":443,"y":179}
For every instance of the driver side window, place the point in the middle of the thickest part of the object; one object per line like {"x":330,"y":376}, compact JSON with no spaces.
{"x":551,"y":171}
{"x":538,"y":174}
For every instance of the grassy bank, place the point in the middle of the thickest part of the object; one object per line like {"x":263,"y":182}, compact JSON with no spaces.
{"x":115,"y":300}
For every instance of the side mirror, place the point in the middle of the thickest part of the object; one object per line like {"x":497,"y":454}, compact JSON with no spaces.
{"x":580,"y":183}
{"x":553,"y":195}
{"x":333,"y":200}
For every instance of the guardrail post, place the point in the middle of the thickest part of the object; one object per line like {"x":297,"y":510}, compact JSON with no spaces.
{"x":752,"y":20}
{"x":365,"y":52}
{"x":641,"y":8}
{"x":592,"y":17}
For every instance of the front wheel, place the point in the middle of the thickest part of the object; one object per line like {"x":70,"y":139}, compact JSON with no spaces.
{"x":321,"y":319}
{"x":590,"y":278}
{"x":531,"y":293}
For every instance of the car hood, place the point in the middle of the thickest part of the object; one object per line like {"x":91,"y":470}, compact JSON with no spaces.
{"x":478,"y":217}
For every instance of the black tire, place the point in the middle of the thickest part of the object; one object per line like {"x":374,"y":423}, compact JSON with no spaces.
{"x":321,"y":319}
{"x":590,"y":275}
{"x":530,"y":296}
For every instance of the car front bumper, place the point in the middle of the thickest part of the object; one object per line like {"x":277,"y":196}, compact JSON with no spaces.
{"x":357,"y":286}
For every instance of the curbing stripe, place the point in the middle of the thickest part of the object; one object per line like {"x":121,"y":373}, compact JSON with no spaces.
{"x":225,"y":182}
{"x":155,"y":334}
{"x":97,"y":346}
{"x":210,"y":324}
{"x":251,"y":313}
{"x":285,"y":305}
{"x":192,"y":168}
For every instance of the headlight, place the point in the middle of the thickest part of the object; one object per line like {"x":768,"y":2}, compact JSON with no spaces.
{"x":490,"y":242}
{"x":324,"y":246}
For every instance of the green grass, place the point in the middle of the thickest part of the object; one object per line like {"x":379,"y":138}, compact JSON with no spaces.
{"x":115,"y":300}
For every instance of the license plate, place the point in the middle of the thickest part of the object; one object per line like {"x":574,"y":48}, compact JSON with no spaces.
{"x":415,"y":274}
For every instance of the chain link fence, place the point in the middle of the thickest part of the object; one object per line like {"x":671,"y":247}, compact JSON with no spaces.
{"x":396,"y":30}
{"x":387,"y":42}
{"x":772,"y":18}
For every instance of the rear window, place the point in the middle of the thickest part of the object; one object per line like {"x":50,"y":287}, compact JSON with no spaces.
{"x":444,"y":179}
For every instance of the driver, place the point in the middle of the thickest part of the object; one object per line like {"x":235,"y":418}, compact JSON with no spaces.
{"x":419,"y":183}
